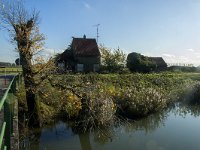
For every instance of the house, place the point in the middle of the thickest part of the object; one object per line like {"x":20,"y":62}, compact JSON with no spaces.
{"x":83,"y":55}
{"x":161,"y":65}
{"x":5,"y":64}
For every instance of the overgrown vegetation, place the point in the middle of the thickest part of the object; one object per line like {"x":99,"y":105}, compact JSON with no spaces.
{"x":94,"y":100}
{"x":10,"y":70}
{"x":139,"y":63}
{"x":22,"y":26}
{"x":112,"y":60}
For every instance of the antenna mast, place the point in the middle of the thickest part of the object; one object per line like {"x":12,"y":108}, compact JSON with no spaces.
{"x":97,"y":26}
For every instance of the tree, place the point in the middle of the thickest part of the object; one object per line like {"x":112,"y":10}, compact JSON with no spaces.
{"x":24,"y":33}
{"x":112,"y":61}
{"x":139,"y":63}
{"x":17,"y":62}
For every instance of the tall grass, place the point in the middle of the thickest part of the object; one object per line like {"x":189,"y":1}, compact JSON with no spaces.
{"x":94,"y":100}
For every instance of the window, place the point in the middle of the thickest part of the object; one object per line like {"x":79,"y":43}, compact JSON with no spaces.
{"x":96,"y":67}
{"x":61,"y":65}
{"x":79,"y":67}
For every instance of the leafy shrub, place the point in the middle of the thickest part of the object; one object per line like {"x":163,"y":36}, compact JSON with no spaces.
{"x":139,"y":63}
{"x":98,"y":109}
{"x":92,"y":99}
{"x":139,"y":102}
{"x":71,"y":104}
{"x":112,"y":60}
{"x":192,"y":94}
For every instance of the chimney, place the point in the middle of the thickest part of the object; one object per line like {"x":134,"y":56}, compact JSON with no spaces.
{"x":84,"y":36}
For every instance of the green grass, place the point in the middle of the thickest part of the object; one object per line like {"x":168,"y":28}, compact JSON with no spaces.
{"x":9,"y":70}
{"x":193,"y":76}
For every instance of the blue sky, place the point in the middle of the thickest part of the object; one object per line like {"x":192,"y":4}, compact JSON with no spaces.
{"x":166,"y":28}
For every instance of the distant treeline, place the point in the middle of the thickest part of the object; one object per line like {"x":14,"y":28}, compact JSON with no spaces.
{"x":184,"y":69}
{"x":7,"y":64}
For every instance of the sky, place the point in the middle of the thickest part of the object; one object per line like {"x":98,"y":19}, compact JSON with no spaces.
{"x":164,"y":28}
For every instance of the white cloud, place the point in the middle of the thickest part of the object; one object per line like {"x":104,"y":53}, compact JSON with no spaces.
{"x":168,"y":55}
{"x":47,"y":53}
{"x":181,"y":60}
{"x":197,"y":55}
{"x":150,"y":54}
{"x":191,"y":50}
{"x":50,"y":52}
{"x":86,"y":5}
{"x":184,"y":59}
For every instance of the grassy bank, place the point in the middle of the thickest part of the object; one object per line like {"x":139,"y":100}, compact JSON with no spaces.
{"x":10,"y":70}
{"x":96,"y":99}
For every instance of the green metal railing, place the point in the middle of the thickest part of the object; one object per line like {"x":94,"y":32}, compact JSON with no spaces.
{"x":7,"y":103}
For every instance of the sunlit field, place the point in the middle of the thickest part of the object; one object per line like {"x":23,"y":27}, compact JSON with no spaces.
{"x":10,"y":70}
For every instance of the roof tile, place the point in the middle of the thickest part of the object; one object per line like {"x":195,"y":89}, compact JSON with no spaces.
{"x":85,"y":47}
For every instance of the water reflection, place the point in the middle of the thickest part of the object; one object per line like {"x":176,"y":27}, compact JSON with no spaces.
{"x":139,"y":134}
{"x":185,"y":109}
{"x":30,"y":140}
{"x":148,"y":124}
{"x":104,"y":136}
{"x":85,"y":141}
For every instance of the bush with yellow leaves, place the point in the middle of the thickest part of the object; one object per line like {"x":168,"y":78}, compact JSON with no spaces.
{"x":71,"y":104}
{"x":98,"y":109}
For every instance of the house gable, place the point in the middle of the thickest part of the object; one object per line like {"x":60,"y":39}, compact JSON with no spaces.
{"x":84,"y":55}
{"x":83,"y":47}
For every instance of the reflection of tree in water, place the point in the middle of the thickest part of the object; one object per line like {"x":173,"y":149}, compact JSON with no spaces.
{"x":192,"y":109}
{"x":104,"y":136}
{"x":189,"y":101}
{"x":35,"y":143}
{"x":85,"y":141}
{"x":148,"y":124}
{"x":30,"y":140}
{"x":101,"y":136}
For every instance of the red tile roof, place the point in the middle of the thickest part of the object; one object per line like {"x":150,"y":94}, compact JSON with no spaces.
{"x":85,"y":47}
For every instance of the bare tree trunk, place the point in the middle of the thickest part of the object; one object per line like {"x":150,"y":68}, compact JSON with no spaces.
{"x":34,"y":119}
{"x":24,"y":31}
{"x":33,"y":109}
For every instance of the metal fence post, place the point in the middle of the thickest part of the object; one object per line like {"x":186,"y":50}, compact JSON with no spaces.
{"x":7,"y":101}
{"x":12,"y":93}
{"x":7,"y":118}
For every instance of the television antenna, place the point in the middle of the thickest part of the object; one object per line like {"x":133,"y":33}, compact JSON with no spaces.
{"x":97,"y":26}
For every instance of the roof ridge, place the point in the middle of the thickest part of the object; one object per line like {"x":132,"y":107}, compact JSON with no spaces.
{"x":85,"y":39}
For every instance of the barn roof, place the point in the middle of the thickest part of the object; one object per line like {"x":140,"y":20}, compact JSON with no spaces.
{"x":159,"y":61}
{"x":85,"y":47}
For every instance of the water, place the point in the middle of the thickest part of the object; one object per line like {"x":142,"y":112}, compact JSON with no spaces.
{"x":175,"y":129}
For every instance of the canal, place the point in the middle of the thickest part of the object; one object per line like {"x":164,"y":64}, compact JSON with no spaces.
{"x":177,"y":128}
